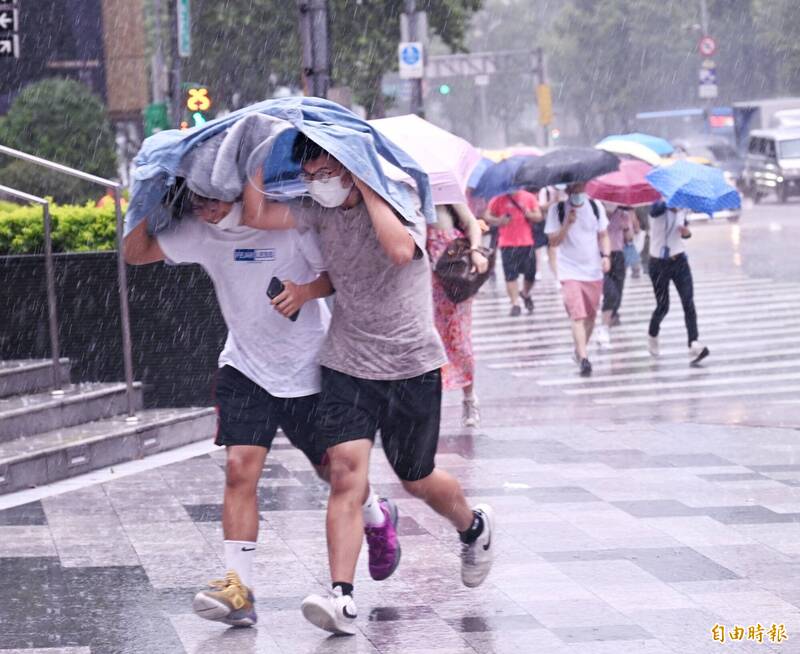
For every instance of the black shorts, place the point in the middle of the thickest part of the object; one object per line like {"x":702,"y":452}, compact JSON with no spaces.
{"x":519,"y":261}
{"x":406,"y":412}
{"x":249,"y":415}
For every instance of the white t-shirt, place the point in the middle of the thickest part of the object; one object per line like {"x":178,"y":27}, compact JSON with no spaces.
{"x":579,"y":253}
{"x":279,"y":355}
{"x":665,"y":230}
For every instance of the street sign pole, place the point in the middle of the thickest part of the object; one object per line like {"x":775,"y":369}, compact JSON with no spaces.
{"x":180,"y":13}
{"x":414,"y":37}
{"x":314,"y":40}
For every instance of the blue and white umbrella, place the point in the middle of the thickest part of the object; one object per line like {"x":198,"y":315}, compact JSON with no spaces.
{"x":688,"y":185}
{"x":656,"y":144}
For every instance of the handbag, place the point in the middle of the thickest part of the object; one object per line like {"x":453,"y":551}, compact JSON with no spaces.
{"x":631,"y":255}
{"x":454,"y":268}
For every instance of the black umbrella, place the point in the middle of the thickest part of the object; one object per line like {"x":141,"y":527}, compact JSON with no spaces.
{"x":565,"y":166}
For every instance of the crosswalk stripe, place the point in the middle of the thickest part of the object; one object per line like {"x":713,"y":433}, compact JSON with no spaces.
{"x":686,"y":383}
{"x":740,"y":392}
{"x":551,"y":294}
{"x":642,"y":354}
{"x":679,"y":369}
{"x":481,"y":327}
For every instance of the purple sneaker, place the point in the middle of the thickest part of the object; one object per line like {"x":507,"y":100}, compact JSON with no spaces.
{"x":384,"y":548}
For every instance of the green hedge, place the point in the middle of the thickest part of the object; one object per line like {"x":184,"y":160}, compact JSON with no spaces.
{"x":76,"y":228}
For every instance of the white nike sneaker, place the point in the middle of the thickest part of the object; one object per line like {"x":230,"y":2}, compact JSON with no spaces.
{"x":334,"y":612}
{"x":603,"y":337}
{"x":476,"y":558}
{"x":652,"y":346}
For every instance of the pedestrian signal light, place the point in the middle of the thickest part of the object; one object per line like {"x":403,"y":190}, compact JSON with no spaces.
{"x":555,"y":133}
{"x":198,"y":100}
{"x":444,"y":89}
{"x":199,"y":119}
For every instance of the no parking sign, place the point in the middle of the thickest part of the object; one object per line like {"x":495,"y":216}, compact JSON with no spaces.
{"x":708,"y":46}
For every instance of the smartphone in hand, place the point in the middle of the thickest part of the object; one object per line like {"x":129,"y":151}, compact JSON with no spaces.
{"x":274,"y":289}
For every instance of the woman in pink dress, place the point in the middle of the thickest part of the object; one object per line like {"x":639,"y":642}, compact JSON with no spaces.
{"x":454,"y":321}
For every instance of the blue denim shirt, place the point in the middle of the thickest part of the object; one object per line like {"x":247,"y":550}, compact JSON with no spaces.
{"x":351,"y":140}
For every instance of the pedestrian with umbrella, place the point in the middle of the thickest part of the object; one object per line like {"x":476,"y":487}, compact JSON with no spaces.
{"x":685,"y":186}
{"x":578,"y":229}
{"x":619,"y":191}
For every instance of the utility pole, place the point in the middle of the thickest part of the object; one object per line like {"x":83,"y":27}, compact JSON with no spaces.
{"x":176,"y":101}
{"x":315,"y":46}
{"x":157,"y":62}
{"x":413,"y":35}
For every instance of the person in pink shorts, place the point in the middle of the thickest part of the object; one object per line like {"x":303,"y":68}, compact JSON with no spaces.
{"x":578,"y":230}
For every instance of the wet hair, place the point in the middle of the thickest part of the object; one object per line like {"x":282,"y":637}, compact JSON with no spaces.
{"x":176,"y":199}
{"x":304,"y":149}
{"x":658,"y":208}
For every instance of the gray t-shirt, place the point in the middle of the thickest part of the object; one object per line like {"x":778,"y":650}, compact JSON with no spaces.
{"x":382,"y":324}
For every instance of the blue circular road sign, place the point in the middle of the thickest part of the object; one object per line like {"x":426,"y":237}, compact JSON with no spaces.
{"x":411,"y":55}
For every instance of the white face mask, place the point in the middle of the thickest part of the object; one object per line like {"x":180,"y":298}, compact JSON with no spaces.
{"x":232,"y":219}
{"x":329,"y":192}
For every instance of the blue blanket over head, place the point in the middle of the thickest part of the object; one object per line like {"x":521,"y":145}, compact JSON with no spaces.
{"x":351,"y":140}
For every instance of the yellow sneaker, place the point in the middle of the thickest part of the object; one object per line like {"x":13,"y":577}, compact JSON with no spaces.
{"x":230,"y":602}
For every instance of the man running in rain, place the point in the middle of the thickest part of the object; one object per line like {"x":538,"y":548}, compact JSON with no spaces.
{"x":669,"y":263}
{"x":380,"y":368}
{"x":578,"y":227}
{"x":268,"y":373}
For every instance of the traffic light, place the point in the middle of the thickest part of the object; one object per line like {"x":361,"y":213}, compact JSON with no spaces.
{"x":198,"y":101}
{"x":444,"y":89}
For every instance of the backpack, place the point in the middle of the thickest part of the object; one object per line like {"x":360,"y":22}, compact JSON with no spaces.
{"x":562,"y":211}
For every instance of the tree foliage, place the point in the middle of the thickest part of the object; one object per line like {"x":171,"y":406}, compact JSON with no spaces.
{"x":60,"y":120}
{"x":252,"y":47}
{"x":613,"y":57}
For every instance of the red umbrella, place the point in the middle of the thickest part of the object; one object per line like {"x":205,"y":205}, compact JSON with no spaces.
{"x":627,"y":185}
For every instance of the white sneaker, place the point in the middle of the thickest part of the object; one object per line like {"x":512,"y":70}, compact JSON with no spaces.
{"x":652,"y":345}
{"x":470,"y":416}
{"x":334,"y":612}
{"x":603,"y":337}
{"x":476,"y":558}
{"x":697,"y":352}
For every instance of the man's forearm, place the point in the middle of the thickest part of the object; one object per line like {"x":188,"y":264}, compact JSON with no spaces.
{"x":392,"y":234}
{"x":319,"y":288}
{"x":556,"y":238}
{"x":605,"y":244}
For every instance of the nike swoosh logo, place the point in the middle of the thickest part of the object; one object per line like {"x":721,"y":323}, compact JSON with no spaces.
{"x":347,"y":613}
{"x":248,"y":549}
{"x":489,"y":528}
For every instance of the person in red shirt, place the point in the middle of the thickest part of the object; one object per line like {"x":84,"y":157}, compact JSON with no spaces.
{"x":515,"y":213}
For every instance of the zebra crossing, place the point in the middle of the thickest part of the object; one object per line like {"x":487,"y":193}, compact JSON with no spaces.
{"x":752,"y":327}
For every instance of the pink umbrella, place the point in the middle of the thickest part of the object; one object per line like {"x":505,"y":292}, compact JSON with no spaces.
{"x":626,"y":186}
{"x":447,"y":158}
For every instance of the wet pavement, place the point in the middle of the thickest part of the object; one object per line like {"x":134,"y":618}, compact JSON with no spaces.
{"x":654,"y":508}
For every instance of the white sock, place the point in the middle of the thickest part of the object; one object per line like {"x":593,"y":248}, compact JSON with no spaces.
{"x":373,"y":515}
{"x":239,"y":555}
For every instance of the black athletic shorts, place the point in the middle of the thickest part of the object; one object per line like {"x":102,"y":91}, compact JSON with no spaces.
{"x":406,"y":412}
{"x":248,"y":415}
{"x":519,"y":261}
